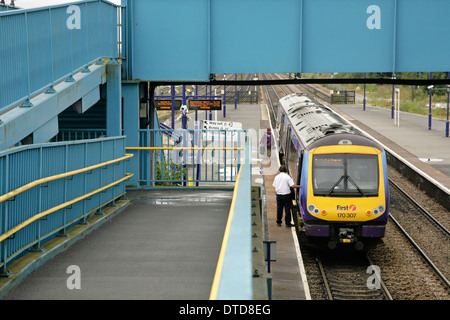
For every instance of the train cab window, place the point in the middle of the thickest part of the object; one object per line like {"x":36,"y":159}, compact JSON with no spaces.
{"x":348,"y":175}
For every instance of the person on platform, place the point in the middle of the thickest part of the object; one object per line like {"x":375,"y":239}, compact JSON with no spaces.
{"x":267,"y":143}
{"x":283,"y":184}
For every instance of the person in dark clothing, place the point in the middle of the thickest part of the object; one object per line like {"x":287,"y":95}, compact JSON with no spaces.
{"x":283,"y":184}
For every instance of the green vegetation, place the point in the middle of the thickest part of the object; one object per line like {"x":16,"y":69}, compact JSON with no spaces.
{"x":414,"y":99}
{"x":169,"y":171}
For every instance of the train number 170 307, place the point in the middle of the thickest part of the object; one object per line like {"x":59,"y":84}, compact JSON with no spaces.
{"x":346,"y":215}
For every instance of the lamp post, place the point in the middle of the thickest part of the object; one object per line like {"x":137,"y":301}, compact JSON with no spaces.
{"x":235,"y":92}
{"x":224,"y":97}
{"x":172,"y":96}
{"x":429,"y":107}
{"x":448,"y":100}
{"x":364,"y":99}
{"x":393,"y":97}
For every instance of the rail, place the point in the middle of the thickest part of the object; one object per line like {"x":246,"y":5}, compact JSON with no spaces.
{"x":75,"y":180}
{"x":189,"y":157}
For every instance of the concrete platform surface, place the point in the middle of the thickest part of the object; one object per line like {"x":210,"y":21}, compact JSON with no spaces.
{"x":165,"y":245}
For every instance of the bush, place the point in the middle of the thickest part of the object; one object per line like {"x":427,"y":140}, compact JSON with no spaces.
{"x":169,"y":171}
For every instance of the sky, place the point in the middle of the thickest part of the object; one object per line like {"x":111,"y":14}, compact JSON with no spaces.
{"x":25,"y":4}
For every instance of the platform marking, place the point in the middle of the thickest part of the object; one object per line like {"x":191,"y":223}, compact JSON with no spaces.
{"x":301,"y":267}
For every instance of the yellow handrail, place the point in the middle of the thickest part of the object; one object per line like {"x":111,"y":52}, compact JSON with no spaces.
{"x":219,"y":267}
{"x":30,"y":185}
{"x":59,"y":207}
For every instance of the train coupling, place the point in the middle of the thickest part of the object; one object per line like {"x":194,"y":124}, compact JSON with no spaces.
{"x":346,"y":235}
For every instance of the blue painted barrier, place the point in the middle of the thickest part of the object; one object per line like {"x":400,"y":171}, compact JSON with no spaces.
{"x":43,"y":46}
{"x":24,"y":165}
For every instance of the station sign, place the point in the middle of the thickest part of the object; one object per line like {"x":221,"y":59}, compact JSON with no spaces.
{"x":205,"y":105}
{"x":167,"y":104}
{"x":221,"y":125}
{"x":226,"y":134}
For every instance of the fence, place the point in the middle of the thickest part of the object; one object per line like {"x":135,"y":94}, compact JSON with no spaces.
{"x":78,"y":134}
{"x":44,"y":46}
{"x":343,"y":97}
{"x":190,"y":157}
{"x":242,"y":97}
{"x":49,"y":187}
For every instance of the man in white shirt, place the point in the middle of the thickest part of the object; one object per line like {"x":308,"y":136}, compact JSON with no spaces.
{"x":283,"y":184}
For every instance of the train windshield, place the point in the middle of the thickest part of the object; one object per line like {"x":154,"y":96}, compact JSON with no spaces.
{"x":345,"y":175}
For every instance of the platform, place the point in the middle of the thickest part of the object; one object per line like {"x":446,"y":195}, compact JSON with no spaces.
{"x":428,"y":150}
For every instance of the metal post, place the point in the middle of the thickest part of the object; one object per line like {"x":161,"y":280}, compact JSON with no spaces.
{"x":397,"y":107}
{"x":235,"y":92}
{"x":448,"y":100}
{"x":196,"y":94}
{"x":210,"y":93}
{"x":224,"y":97}
{"x":172,"y":93}
{"x":393,"y":93}
{"x":184,"y":117}
{"x":429,"y":107}
{"x":206,"y":94}
{"x":364,"y":99}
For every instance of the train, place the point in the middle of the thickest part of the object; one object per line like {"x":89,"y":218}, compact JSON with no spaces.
{"x":344,"y":191}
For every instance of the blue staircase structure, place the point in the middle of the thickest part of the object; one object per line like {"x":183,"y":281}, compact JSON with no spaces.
{"x":51,"y":65}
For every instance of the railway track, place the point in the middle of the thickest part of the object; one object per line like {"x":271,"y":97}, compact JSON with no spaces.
{"x":351,"y":278}
{"x":428,"y":236}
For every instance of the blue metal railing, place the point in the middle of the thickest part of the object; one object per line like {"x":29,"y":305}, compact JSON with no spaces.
{"x":29,"y":168}
{"x":41,"y":47}
{"x":79,"y":134}
{"x":189,"y":156}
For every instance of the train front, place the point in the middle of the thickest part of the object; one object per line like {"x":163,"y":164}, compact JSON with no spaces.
{"x":344,"y":194}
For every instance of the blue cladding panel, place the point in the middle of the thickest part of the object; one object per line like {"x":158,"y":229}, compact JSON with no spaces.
{"x":336,"y":37}
{"x":39,"y":35}
{"x":62,"y":62}
{"x":37,"y":48}
{"x":255,"y":35}
{"x":424,"y":43}
{"x":13,"y":57}
{"x":173,"y":40}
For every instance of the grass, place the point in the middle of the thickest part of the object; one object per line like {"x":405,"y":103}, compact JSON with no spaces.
{"x":413,"y":100}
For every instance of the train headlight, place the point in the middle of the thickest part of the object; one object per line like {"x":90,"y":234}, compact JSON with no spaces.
{"x":313,"y":209}
{"x":379,"y":210}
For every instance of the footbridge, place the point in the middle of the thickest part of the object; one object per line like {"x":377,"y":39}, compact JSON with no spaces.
{"x":80,"y":138}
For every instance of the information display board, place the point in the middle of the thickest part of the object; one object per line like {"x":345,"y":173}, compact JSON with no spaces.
{"x":167,"y":104}
{"x":205,"y":105}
